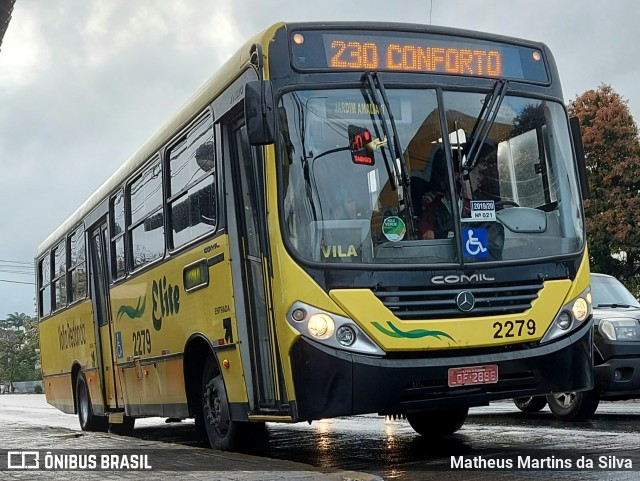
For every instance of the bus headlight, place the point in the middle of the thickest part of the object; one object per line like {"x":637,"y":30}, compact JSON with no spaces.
{"x":570,"y":316}
{"x":321,"y":326}
{"x":580,"y":309}
{"x":620,"y":329}
{"x":330,"y":329}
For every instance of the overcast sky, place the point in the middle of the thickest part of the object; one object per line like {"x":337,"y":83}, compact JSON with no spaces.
{"x":83,"y":83}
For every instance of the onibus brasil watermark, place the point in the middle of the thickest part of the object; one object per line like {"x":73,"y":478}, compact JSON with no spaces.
{"x":47,"y":460}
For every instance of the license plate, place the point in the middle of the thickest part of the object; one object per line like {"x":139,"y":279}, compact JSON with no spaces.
{"x":465,"y":376}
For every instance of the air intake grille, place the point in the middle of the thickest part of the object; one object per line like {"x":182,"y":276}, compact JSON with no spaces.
{"x":410,"y":303}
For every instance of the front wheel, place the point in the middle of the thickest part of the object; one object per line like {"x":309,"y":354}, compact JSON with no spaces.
{"x":216,"y":416}
{"x":574,"y":406}
{"x":438,"y":422}
{"x":531,"y":404}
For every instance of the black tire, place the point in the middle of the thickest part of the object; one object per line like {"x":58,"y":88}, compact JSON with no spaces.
{"x":125,"y":428}
{"x":574,"y":406}
{"x":88,"y":420}
{"x":440,"y":422}
{"x":531,"y":404}
{"x":221,"y":430}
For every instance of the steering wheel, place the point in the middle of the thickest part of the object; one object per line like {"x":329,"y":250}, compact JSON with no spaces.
{"x":501,"y":204}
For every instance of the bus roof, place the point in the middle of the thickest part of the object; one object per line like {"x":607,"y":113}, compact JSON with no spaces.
{"x":203,"y":96}
{"x":413,"y":27}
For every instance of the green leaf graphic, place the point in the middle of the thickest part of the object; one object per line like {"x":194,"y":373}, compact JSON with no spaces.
{"x":133,"y":312}
{"x":413,"y":334}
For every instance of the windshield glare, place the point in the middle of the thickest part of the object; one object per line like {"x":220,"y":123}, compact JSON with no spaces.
{"x":344,"y":199}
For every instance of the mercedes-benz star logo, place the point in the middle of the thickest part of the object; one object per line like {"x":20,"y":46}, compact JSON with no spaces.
{"x":465,"y":301}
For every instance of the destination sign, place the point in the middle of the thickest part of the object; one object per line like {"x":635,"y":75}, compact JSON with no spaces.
{"x":427,"y":53}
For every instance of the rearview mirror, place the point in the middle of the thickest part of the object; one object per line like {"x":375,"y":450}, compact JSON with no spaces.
{"x":259,"y":112}
{"x":574,"y":123}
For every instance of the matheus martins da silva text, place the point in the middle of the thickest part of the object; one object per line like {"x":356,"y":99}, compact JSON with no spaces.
{"x":547,"y":462}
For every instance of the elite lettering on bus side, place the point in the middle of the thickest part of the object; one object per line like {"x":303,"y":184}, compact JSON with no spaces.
{"x":165,"y":300}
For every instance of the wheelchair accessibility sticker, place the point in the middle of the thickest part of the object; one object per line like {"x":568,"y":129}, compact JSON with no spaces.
{"x":475,"y":242}
{"x":119,"y":351}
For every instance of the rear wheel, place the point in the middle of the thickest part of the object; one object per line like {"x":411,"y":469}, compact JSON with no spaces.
{"x":439,"y":422}
{"x":574,"y":406}
{"x":88,"y":420}
{"x":531,"y":404}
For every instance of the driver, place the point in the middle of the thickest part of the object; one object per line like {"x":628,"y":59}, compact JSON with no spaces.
{"x":436,"y":220}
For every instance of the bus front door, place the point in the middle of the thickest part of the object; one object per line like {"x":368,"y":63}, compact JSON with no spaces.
{"x":101,"y":314}
{"x":247,"y":227}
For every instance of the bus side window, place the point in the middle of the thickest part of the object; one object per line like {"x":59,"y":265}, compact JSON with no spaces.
{"x":117,"y":230}
{"x":147,"y":234}
{"x":192,"y":190}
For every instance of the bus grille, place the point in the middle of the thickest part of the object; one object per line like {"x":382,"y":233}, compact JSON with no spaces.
{"x":408,"y":303}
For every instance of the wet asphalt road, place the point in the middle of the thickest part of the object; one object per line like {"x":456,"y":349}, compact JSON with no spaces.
{"x":392,"y":450}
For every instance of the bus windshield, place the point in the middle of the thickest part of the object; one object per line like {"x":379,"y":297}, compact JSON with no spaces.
{"x":345,"y":199}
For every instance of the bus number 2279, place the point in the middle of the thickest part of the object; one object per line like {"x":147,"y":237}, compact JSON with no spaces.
{"x":514,"y":328}
{"x":141,"y":342}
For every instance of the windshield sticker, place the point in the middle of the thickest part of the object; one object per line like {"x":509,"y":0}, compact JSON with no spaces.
{"x":475,"y":243}
{"x":359,"y":140}
{"x":394,"y":228}
{"x":482,"y":211}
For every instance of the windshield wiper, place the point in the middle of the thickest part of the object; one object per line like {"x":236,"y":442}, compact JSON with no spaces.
{"x":398,"y":166}
{"x":614,"y":305}
{"x":484,"y":122}
{"x":392,"y":168}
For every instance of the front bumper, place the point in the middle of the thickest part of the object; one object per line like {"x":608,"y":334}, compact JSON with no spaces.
{"x":619,"y":376}
{"x":330,"y":382}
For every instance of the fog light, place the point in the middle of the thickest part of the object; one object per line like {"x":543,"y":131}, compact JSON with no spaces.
{"x":564,"y":321}
{"x":299,"y":315}
{"x":617,"y":375}
{"x":321,"y":326}
{"x":346,"y":335}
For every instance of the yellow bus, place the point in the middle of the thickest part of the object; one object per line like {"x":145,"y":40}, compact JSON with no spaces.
{"x":347,"y":218}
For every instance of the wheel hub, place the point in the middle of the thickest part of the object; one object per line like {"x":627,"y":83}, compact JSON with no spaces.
{"x":214,"y":411}
{"x":565,"y":399}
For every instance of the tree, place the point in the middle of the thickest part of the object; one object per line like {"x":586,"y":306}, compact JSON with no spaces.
{"x":612,"y":150}
{"x":14,"y":321}
{"x":18,"y":348}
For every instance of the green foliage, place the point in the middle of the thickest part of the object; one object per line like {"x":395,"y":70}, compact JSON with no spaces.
{"x":19,"y":348}
{"x":612,"y":150}
{"x":14,"y":321}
